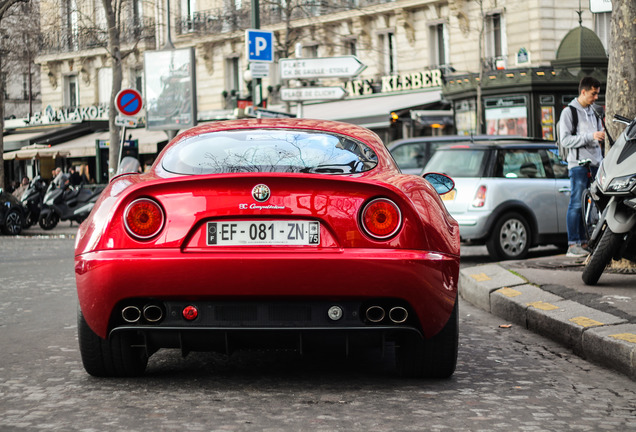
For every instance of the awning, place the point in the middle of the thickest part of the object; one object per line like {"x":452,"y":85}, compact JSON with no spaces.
{"x":372,"y":111}
{"x":35,"y":151}
{"x":85,"y":146}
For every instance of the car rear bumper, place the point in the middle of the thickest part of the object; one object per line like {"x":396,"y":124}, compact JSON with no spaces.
{"x":425,"y":282}
{"x":472,"y":226}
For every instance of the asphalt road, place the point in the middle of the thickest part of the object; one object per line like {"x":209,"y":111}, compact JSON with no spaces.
{"x":507,"y":379}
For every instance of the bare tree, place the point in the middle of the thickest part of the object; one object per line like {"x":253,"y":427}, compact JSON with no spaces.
{"x":621,"y":74}
{"x":5,"y":5}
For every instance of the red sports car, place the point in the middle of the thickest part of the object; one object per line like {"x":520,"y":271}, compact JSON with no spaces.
{"x":283,"y":233}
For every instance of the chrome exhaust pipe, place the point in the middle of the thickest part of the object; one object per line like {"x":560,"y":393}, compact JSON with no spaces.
{"x":152,"y":313}
{"x":398,"y":314}
{"x":131,"y":314}
{"x":375,"y":314}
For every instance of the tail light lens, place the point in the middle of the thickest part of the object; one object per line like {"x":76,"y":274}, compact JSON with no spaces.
{"x":480,"y":197}
{"x":381,"y":218}
{"x":143,"y":218}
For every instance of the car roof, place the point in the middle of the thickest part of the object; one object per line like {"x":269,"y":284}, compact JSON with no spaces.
{"x":458,"y":138}
{"x":504,"y":144}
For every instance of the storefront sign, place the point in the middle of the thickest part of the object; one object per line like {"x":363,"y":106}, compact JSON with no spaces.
{"x":68,"y":115}
{"x":395,"y":83}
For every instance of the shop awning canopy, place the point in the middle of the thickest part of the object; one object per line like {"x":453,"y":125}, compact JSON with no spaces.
{"x":86,"y":146}
{"x":373,"y":111}
{"x":35,"y":151}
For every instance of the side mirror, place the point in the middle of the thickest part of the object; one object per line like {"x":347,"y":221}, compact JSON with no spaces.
{"x":441,"y":182}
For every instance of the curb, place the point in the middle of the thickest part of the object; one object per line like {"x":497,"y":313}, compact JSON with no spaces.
{"x":591,"y":334}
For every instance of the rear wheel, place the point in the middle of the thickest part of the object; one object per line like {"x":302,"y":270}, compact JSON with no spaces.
{"x":13,"y":222}
{"x":430,"y":358}
{"x":510,"y":238}
{"x":49,"y":220}
{"x":607,"y":247}
{"x":114,"y":357}
{"x":590,"y":213}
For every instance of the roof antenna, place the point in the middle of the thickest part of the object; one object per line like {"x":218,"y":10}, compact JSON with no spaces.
{"x":580,"y":12}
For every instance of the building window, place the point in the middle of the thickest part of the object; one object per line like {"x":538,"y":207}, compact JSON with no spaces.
{"x":310,"y":50}
{"x":233,"y":77}
{"x":71,"y":91}
{"x":388,"y":53}
{"x":104,"y":85}
{"x":70,"y":22}
{"x":187,"y":13}
{"x":138,"y":80}
{"x":3,"y":79}
{"x":350,"y":47}
{"x":25,"y":86}
{"x":602,"y":23}
{"x":495,"y":41}
{"x":438,"y":46}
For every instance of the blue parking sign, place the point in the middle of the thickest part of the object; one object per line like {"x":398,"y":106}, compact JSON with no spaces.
{"x":259,"y":45}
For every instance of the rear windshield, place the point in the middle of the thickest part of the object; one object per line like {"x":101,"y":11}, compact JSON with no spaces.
{"x":465,"y":162}
{"x":269,"y":150}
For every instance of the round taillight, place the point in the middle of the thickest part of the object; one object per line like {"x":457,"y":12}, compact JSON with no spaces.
{"x":381,"y":218}
{"x":143,"y":218}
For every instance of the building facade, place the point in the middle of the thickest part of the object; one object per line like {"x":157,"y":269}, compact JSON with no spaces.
{"x":410,"y":49}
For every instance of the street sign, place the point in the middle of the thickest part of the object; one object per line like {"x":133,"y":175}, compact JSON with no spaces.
{"x":129,"y":122}
{"x":312,"y":93}
{"x":259,"y":69}
{"x":260,"y":45}
{"x":128,"y":102}
{"x":321,"y":67}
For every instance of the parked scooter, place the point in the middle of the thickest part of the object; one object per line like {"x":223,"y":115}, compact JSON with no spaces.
{"x":614,"y":193}
{"x":32,"y":200}
{"x":67,"y":203}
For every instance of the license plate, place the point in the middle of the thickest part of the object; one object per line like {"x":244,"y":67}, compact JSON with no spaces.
{"x":279,"y":232}
{"x":450,"y":195}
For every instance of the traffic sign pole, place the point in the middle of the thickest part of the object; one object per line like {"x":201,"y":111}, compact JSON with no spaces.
{"x":128,"y":102}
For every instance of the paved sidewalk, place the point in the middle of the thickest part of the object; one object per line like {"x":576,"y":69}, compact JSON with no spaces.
{"x":546,"y":295}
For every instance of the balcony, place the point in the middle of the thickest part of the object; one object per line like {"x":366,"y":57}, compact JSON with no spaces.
{"x":224,"y":20}
{"x":81,"y":39}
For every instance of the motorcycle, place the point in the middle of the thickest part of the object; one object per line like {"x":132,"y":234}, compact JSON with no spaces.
{"x":67,"y":203}
{"x":613,"y":192}
{"x":32,"y":200}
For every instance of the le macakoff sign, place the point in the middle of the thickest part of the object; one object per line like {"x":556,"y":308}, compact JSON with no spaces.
{"x":395,"y":83}
{"x":170,"y":90}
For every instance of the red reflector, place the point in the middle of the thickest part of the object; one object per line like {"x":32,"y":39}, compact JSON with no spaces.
{"x":190,"y":313}
{"x":381,"y":218}
{"x":144,"y":218}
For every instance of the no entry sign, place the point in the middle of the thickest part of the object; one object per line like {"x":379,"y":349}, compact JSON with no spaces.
{"x":128,"y":102}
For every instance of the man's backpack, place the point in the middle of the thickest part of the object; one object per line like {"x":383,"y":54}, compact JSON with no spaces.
{"x":564,"y":151}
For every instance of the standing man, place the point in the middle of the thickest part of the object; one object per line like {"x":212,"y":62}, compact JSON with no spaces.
{"x":584,"y":144}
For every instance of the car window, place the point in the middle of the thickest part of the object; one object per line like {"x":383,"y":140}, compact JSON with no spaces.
{"x":460,"y":162}
{"x":410,"y":155}
{"x":269,"y":150}
{"x":520,"y":163}
{"x":559,"y":167}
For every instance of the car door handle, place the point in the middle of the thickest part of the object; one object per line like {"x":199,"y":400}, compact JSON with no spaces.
{"x":564,"y":189}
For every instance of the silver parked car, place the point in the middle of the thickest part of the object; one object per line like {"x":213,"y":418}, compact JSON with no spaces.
{"x":508,"y":195}
{"x":412,"y":154}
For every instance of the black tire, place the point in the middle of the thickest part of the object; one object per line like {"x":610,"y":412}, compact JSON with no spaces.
{"x":49,"y":220}
{"x":118,"y":356}
{"x":606,"y":248}
{"x":510,"y":238}
{"x":590,"y":213}
{"x":430,"y":358}
{"x":13,"y":222}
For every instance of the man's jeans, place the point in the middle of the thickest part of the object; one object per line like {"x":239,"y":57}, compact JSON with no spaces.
{"x":579,"y":181}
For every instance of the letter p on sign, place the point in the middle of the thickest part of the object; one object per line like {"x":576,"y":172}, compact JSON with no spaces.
{"x":259,"y":45}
